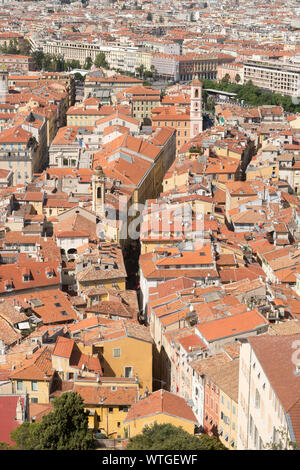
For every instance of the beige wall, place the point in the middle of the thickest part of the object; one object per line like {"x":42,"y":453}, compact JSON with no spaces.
{"x":268,"y":415}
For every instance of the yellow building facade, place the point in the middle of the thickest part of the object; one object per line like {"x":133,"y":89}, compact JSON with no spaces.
{"x":161,"y":407}
{"x":108,"y":404}
{"x":113,"y":283}
{"x":127,"y":357}
{"x":38,"y":390}
{"x":228,"y":419}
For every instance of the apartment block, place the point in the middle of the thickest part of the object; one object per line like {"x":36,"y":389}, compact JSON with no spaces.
{"x":272,"y":76}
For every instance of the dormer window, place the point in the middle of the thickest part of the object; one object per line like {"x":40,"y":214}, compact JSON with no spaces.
{"x":49,"y":273}
{"x":9,"y":285}
{"x":26,"y":274}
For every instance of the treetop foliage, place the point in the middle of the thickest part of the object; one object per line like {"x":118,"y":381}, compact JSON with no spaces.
{"x":65,"y":428}
{"x":169,"y":437}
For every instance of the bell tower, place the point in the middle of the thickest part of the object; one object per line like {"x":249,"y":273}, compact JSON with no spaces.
{"x":3,"y":83}
{"x":196,"y":124}
{"x":98,"y":189}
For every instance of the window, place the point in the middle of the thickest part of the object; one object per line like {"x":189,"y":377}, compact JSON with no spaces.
{"x":19,"y":384}
{"x":34,"y":386}
{"x":257,"y":399}
{"x":128,"y":372}
{"x":251,"y":426}
{"x":34,"y":400}
{"x":255,"y":437}
{"x":116,"y":352}
{"x":110,"y":410}
{"x":123,"y":408}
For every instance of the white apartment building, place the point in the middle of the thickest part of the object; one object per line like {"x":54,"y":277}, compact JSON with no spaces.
{"x":74,"y":154}
{"x":269,"y":391}
{"x":122,"y":57}
{"x":283,"y":78}
{"x":70,"y":50}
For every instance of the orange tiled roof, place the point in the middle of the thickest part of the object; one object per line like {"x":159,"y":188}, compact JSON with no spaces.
{"x":161,"y":402}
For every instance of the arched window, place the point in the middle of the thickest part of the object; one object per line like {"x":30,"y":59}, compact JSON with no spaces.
{"x":196,"y":93}
{"x":99,"y":192}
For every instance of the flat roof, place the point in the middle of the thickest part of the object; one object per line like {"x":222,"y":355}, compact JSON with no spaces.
{"x":219,"y":92}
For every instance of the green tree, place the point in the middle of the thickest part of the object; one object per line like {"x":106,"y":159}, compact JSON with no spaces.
{"x":24,"y":47}
{"x":6,"y":446}
{"x":169,"y":437}
{"x":88,"y":63}
{"x":153,"y":70}
{"x":58,"y":64}
{"x":237,"y":78}
{"x":73,"y":64}
{"x":226,"y":79}
{"x":79,"y":77}
{"x":65,"y":428}
{"x":25,"y":436}
{"x":140,"y":70}
{"x":47,"y":62}
{"x":38,"y":57}
{"x":12,"y":48}
{"x":148,"y":74}
{"x":100,"y":61}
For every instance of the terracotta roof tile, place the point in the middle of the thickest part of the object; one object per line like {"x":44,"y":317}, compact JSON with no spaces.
{"x":161,"y":402}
